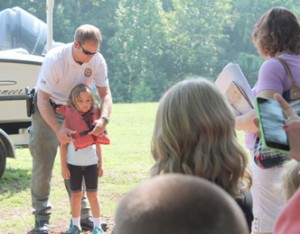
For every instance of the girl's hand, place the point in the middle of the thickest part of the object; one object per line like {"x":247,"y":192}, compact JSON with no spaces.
{"x":65,"y":172}
{"x":100,"y":171}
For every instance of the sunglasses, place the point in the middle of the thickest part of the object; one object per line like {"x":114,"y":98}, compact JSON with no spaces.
{"x":86,"y":51}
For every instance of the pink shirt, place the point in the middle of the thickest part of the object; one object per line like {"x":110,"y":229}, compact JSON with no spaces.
{"x":288,"y":220}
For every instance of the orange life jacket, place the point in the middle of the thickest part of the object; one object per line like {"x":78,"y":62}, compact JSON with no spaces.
{"x":82,"y":123}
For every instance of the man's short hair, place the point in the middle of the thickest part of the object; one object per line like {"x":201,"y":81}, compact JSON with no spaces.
{"x":88,"y":32}
{"x":181,"y":204}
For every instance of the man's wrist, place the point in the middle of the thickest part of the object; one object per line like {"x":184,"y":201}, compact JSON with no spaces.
{"x":56,"y":129}
{"x":105,"y":119}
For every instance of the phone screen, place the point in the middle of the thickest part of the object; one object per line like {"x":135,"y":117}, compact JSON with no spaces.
{"x":271,"y":120}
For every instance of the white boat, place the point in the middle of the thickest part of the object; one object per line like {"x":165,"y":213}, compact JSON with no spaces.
{"x":18,"y":75}
{"x":23,"y":40}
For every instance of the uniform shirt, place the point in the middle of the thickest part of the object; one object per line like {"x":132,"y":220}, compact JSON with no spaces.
{"x":60,"y":73}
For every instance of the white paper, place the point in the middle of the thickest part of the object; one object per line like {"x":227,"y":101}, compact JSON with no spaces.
{"x":234,"y":85}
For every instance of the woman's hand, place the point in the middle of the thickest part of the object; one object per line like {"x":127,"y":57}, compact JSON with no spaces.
{"x":292,"y":126}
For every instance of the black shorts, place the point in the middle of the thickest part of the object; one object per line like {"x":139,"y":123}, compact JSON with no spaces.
{"x":88,"y":173}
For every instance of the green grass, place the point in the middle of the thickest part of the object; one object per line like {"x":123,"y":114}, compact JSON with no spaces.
{"x":127,"y":161}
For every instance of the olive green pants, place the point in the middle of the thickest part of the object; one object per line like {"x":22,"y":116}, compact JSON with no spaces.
{"x":43,"y":146}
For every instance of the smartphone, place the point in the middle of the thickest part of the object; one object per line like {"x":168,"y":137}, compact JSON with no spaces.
{"x":271,"y":121}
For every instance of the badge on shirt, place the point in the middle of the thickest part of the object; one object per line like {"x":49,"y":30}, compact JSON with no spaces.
{"x":88,"y":72}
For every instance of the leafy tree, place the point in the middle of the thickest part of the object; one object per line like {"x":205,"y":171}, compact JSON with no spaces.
{"x":150,"y":45}
{"x":137,"y":49}
{"x":194,"y":36}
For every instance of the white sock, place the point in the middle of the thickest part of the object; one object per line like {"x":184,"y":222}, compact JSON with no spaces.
{"x":97,"y":222}
{"x":76,"y":221}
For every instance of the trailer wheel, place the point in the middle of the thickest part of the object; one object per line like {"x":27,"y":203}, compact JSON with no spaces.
{"x":2,"y":159}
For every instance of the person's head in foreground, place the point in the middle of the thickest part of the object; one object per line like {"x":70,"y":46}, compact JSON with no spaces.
{"x":194,"y":134}
{"x":181,"y":204}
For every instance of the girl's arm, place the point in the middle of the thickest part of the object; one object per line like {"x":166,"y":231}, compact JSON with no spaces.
{"x":99,"y":154}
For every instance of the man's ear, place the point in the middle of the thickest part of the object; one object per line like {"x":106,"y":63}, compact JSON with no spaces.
{"x":76,"y":44}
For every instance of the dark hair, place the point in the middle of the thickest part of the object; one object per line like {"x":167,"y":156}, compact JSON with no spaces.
{"x":277,"y":31}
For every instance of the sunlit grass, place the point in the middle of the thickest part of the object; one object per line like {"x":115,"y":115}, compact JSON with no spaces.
{"x":126,"y":162}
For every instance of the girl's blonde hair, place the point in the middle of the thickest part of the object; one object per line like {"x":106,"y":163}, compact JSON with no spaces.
{"x":75,"y":93}
{"x":290,"y":178}
{"x":195,"y":134}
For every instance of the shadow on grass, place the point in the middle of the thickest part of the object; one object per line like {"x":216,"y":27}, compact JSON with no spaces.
{"x":14,"y":181}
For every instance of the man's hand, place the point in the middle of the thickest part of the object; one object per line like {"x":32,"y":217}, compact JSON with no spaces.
{"x":64,"y":135}
{"x":99,"y":127}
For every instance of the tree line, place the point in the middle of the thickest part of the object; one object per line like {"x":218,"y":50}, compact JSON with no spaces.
{"x":151,"y":44}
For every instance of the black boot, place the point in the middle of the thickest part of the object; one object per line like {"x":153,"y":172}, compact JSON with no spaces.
{"x":41,"y":227}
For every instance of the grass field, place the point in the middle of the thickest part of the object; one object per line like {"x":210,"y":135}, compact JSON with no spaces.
{"x":126,"y":162}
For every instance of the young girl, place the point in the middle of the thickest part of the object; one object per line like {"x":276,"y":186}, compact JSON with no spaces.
{"x":82,"y":159}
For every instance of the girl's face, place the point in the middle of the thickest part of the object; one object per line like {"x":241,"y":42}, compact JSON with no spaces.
{"x":84,"y":102}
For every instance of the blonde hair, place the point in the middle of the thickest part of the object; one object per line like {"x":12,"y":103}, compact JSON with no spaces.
{"x":75,"y":93}
{"x":194,"y":134}
{"x":290,"y":178}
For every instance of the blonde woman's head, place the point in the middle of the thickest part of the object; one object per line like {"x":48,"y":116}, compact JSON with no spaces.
{"x":195,"y":134}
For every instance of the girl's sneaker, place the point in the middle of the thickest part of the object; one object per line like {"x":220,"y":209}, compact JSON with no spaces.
{"x":98,"y":230}
{"x":75,"y":230}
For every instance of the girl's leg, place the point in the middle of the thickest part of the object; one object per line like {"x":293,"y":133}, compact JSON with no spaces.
{"x":76,"y":203}
{"x":91,"y":180}
{"x":95,"y":207}
{"x":94,"y":203}
{"x":76,"y":193}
